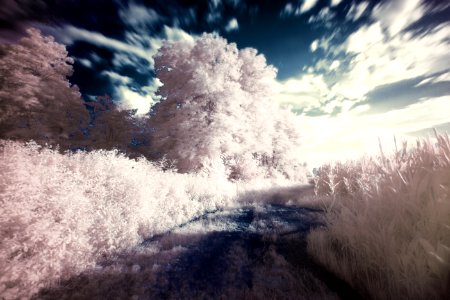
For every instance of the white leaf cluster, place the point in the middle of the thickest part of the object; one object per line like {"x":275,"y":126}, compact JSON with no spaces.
{"x":59,"y":213}
{"x":36,"y":100}
{"x":218,"y":110}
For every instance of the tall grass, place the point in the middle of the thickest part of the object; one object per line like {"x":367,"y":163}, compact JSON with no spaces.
{"x":60,"y":213}
{"x":388,"y":222}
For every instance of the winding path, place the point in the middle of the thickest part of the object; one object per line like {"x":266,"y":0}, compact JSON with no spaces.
{"x":252,"y":252}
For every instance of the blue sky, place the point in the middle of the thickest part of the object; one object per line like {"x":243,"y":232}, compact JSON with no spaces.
{"x":354,"y":71}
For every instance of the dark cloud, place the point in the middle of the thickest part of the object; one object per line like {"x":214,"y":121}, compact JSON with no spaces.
{"x":403,"y":93}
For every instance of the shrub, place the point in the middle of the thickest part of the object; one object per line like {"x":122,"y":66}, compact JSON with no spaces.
{"x":60,"y":213}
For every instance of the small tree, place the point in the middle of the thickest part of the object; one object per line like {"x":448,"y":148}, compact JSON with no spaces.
{"x":36,"y":99}
{"x":217,"y":112}
{"x":116,"y":128}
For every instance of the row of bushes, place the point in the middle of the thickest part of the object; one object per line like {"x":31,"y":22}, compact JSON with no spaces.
{"x":59,"y":213}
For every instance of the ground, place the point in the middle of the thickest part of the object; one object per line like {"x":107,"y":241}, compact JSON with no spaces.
{"x":250,"y":252}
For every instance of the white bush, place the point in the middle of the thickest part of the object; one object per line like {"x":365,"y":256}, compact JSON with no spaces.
{"x":388,"y":222}
{"x":60,"y":213}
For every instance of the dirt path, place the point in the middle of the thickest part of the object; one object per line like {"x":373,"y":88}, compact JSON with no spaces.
{"x":253,"y":252}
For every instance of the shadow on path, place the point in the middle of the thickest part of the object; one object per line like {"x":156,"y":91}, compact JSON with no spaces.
{"x":254,"y":252}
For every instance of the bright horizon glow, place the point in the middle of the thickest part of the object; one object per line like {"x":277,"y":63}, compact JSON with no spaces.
{"x":350,"y":136}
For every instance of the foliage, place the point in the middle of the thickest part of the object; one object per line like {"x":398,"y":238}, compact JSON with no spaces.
{"x":116,"y":128}
{"x":36,"y":100}
{"x":217,"y":114}
{"x":387,"y":222}
{"x":60,"y":213}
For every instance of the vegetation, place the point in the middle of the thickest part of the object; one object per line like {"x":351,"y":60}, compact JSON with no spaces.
{"x":62,"y":212}
{"x":387,"y":225}
{"x":215,"y":134}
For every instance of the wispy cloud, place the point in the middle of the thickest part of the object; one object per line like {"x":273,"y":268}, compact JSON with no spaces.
{"x":85,"y":62}
{"x":116,"y":77}
{"x":136,"y":15}
{"x":70,"y":34}
{"x":396,"y":16}
{"x":137,"y":47}
{"x":215,"y":11}
{"x":287,"y":10}
{"x":356,"y":11}
{"x":291,"y":9}
{"x":324,"y":17}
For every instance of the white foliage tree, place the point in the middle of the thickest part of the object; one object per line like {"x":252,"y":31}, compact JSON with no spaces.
{"x":218,"y":113}
{"x":36,"y":99}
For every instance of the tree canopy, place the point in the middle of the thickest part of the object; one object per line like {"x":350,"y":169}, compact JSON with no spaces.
{"x":36,"y":99}
{"x":217,"y":112}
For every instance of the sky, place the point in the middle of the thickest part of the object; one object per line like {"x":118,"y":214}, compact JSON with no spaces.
{"x":354,"y":72}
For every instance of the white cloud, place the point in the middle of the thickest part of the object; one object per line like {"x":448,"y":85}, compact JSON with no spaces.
{"x":378,"y":59}
{"x":306,"y":6}
{"x":307,"y":91}
{"x":124,"y":59}
{"x":380,"y":53}
{"x":232,"y":25}
{"x":314,"y":45}
{"x":372,"y":57}
{"x":334,"y":65}
{"x":131,"y":99}
{"x":356,"y":11}
{"x":335,"y":2}
{"x":137,"y":15}
{"x":176,"y":34}
{"x":367,"y":59}
{"x":116,"y":78}
{"x":350,"y":135}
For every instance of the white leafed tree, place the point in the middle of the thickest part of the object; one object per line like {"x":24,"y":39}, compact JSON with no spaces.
{"x":218,"y":113}
{"x":36,"y":99}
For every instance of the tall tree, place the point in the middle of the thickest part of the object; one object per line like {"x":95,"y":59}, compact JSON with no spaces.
{"x":217,"y":112}
{"x":36,"y":99}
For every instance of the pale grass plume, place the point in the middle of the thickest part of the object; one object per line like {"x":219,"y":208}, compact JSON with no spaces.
{"x":388,"y":222}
